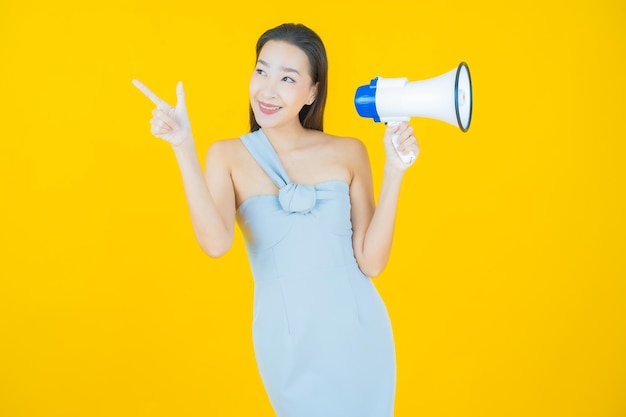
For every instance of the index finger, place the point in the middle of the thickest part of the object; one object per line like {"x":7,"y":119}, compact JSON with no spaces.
{"x":153,"y":97}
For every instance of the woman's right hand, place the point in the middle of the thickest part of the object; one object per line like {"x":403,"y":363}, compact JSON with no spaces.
{"x":169,"y":123}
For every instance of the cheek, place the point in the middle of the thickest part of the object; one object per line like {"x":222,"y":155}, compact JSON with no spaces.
{"x":254,"y":86}
{"x":293,"y":94}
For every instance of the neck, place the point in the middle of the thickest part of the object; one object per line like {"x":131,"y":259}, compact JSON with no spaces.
{"x":286,"y":137}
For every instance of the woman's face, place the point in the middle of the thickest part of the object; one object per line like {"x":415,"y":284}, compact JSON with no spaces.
{"x":280,"y":85}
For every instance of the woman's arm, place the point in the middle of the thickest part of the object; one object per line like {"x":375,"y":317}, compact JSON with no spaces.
{"x":210,"y":196}
{"x":373,"y":224}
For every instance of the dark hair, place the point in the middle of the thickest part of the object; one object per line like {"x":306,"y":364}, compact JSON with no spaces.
{"x":311,"y":116}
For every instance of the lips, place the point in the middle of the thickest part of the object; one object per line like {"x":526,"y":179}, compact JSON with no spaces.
{"x":268,"y":108}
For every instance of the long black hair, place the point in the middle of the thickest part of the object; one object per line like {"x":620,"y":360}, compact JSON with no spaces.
{"x":311,"y":116}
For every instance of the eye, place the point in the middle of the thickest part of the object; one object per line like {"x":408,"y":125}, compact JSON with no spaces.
{"x":260,"y":71}
{"x":289,"y":80}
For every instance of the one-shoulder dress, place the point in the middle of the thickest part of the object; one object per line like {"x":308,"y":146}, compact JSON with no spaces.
{"x":322,"y":336}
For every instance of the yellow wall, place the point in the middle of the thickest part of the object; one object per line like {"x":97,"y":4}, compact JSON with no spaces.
{"x":507,"y":282}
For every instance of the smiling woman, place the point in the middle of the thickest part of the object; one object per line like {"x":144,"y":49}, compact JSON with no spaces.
{"x":304,"y":202}
{"x":505,"y":287}
{"x":308,"y":63}
{"x":278,"y":90}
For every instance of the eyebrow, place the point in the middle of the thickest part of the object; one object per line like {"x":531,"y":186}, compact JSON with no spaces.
{"x":286,"y":69}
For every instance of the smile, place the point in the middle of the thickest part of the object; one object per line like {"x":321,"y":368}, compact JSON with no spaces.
{"x":267,"y":109}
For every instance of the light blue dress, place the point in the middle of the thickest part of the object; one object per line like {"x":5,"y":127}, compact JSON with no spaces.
{"x":322,"y":336}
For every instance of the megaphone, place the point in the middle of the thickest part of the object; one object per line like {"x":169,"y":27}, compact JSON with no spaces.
{"x":447,"y":97}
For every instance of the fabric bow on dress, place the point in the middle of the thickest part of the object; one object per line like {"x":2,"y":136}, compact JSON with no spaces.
{"x":297,"y":198}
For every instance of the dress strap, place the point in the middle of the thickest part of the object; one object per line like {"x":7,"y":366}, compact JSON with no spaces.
{"x":293,"y":198}
{"x":264,"y":154}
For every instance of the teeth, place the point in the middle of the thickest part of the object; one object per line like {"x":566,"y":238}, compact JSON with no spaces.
{"x":269,"y":108}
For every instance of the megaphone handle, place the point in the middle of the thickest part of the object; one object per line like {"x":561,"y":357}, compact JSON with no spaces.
{"x":406,"y":158}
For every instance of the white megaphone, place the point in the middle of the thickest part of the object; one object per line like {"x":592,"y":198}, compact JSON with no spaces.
{"x":447,"y":97}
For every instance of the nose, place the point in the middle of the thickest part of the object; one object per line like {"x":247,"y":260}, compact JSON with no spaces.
{"x":268,"y":90}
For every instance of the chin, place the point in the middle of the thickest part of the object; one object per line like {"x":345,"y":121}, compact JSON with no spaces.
{"x":267,"y":122}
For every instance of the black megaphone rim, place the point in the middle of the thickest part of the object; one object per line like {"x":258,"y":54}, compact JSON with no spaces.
{"x":456,"y":97}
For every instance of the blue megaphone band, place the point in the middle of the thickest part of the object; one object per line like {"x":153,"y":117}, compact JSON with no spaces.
{"x":365,"y":100}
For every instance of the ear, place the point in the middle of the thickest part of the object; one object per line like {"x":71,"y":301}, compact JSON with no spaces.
{"x":312,"y":95}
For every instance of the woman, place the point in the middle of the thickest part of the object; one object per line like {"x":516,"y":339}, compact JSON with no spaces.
{"x":304,"y":201}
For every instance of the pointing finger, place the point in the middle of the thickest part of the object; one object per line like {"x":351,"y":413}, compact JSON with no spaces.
{"x":153,"y":97}
{"x":180,"y":96}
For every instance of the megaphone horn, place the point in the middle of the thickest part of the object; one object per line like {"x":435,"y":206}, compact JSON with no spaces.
{"x":447,"y":97}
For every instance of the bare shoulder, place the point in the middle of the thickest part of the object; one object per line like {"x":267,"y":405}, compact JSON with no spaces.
{"x":353,"y":146}
{"x":225,"y":151}
{"x":351,"y":150}
{"x":348,"y":152}
{"x":225,"y":147}
{"x":343,"y":145}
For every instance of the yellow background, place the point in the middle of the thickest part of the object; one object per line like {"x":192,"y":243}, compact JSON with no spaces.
{"x":506,"y":286}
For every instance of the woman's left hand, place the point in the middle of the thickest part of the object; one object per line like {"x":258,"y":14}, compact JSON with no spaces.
{"x":401,"y":147}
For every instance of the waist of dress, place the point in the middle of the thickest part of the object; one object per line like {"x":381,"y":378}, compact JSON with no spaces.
{"x":318,"y":272}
